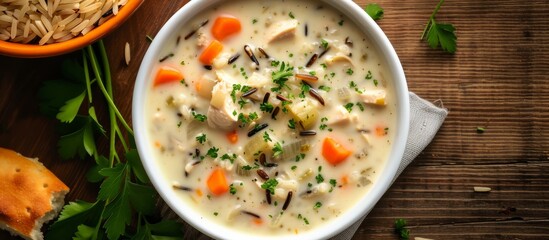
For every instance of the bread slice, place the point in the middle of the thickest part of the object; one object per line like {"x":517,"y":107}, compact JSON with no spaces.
{"x":30,"y":195}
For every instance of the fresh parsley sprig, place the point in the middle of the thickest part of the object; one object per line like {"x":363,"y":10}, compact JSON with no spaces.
{"x":374,"y":10}
{"x":440,"y":34}
{"x":400,"y":229}
{"x":125,"y":194}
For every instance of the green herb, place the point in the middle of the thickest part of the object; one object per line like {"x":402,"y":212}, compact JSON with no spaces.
{"x":304,"y":89}
{"x":216,"y":213}
{"x":266,"y":107}
{"x":247,"y":168}
{"x":253,"y":116}
{"x":333,"y":182}
{"x":375,"y":11}
{"x":332,"y":74}
{"x":266,"y":137}
{"x":232,"y":189}
{"x":270,"y":185}
{"x":480,"y":130}
{"x":341,"y":22}
{"x":277,"y":150}
{"x":324,"y":65}
{"x":360,"y":106}
{"x":254,"y":21}
{"x":400,"y":229}
{"x":294,"y":167}
{"x":242,"y":102}
{"x":319,"y":178}
{"x":201,"y":138}
{"x":243,"y":72}
{"x":125,"y":194}
{"x":291,"y":123}
{"x":179,"y":124}
{"x":299,"y":157}
{"x":325,"y":88}
{"x":291,"y":14}
{"x":368,"y":75}
{"x":212,"y":152}
{"x":236,"y":87}
{"x":182,"y":63}
{"x":306,"y":221}
{"x":291,"y":55}
{"x":317,"y":205}
{"x":183,"y":82}
{"x":312,"y":73}
{"x":349,"y":71}
{"x":323,"y":43}
{"x":281,"y":76}
{"x":231,"y":158}
{"x":349,"y":107}
{"x":440,"y":34}
{"x":199,"y":117}
{"x":275,"y":63}
{"x":323,"y":126}
{"x":375,"y":82}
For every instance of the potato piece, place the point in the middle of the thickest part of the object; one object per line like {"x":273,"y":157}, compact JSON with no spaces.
{"x":204,"y":86}
{"x":304,"y":112}
{"x":256,"y":145}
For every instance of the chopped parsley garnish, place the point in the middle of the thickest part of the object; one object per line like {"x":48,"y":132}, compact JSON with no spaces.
{"x":325,"y":88}
{"x":375,"y":82}
{"x":266,"y":137}
{"x":270,"y":185}
{"x":360,"y":106}
{"x":340,"y":23}
{"x":317,"y":205}
{"x":281,"y":76}
{"x":400,"y":229}
{"x":291,"y":55}
{"x":319,"y":178}
{"x":201,"y":138}
{"x":299,"y":157}
{"x":247,"y":168}
{"x":304,"y":89}
{"x":291,"y":123}
{"x":333,"y":182}
{"x":253,"y":116}
{"x":266,"y":107}
{"x":216,"y":213}
{"x":242,"y":102}
{"x":212,"y":152}
{"x":275,"y":63}
{"x":182,"y":82}
{"x":368,"y":75}
{"x":199,"y":117}
{"x":349,"y":106}
{"x":324,"y":65}
{"x":231,"y":158}
{"x":352,"y":84}
{"x":254,"y":21}
{"x":277,"y":150}
{"x":179,"y":124}
{"x":323,"y":43}
{"x":374,"y":10}
{"x":323,"y":126}
{"x":294,"y":167}
{"x":324,"y":119}
{"x":243,"y":72}
{"x":306,"y":221}
{"x":232,"y":189}
{"x":350,"y":71}
{"x":291,"y":14}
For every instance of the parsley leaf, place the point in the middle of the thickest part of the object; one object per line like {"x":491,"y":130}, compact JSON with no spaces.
{"x":212,"y":152}
{"x":281,"y":76}
{"x":270,"y":185}
{"x":232,"y":189}
{"x":349,"y":106}
{"x":277,"y":150}
{"x":266,"y":137}
{"x":266,"y":107}
{"x":201,"y":138}
{"x":375,"y":11}
{"x":400,"y":229}
{"x":68,"y":112}
{"x":199,"y":117}
{"x":440,"y":34}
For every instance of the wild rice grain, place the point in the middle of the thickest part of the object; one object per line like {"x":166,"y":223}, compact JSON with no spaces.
{"x":127,"y":55}
{"x":288,"y":200}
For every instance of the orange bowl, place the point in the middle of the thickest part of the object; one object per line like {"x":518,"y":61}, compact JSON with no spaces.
{"x":54,"y":49}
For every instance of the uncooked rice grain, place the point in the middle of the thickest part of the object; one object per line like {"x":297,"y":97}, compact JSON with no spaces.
{"x":50,"y":21}
{"x":127,"y":55}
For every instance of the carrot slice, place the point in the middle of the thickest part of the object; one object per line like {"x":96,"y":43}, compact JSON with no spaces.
{"x":207,"y":56}
{"x":225,"y":26}
{"x":232,"y":137}
{"x":217,"y":183}
{"x":167,"y":75}
{"x":381,"y":131}
{"x":334,"y":152}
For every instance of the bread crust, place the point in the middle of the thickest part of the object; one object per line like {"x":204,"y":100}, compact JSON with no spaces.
{"x":26,"y":192}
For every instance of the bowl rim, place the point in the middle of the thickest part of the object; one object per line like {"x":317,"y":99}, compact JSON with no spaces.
{"x":49,"y":50}
{"x":362,"y":206}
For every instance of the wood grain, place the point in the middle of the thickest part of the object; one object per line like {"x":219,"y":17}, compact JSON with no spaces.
{"x":498,"y":79}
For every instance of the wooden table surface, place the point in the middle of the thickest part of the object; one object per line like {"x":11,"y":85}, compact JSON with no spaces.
{"x":498,"y":79}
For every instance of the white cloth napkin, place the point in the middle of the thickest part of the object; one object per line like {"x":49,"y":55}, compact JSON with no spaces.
{"x":425,"y":120}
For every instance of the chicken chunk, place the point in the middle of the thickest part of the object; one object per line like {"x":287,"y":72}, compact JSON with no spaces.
{"x":281,"y":29}
{"x":374,"y":97}
{"x":220,"y":113}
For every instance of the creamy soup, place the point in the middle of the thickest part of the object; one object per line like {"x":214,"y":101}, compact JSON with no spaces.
{"x":275,"y":116}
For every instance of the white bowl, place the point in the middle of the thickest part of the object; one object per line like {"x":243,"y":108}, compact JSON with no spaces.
{"x":215,"y":230}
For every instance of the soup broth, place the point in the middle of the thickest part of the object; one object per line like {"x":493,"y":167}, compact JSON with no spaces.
{"x":273,"y":117}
